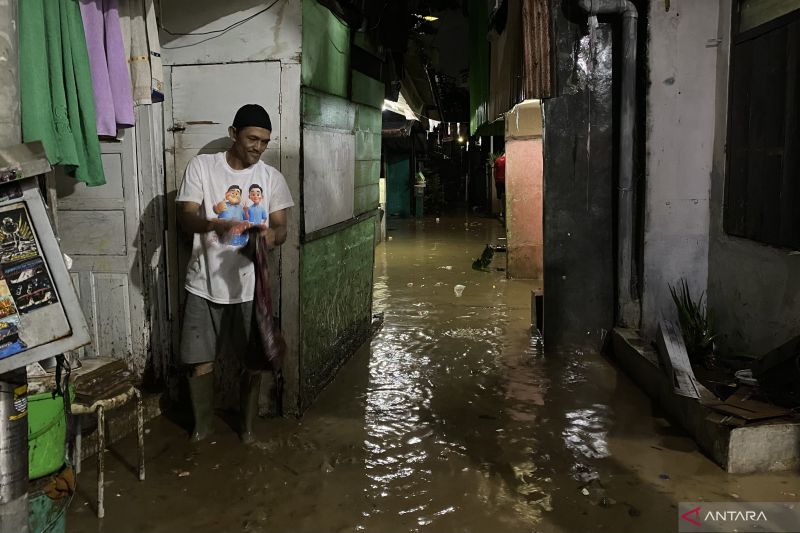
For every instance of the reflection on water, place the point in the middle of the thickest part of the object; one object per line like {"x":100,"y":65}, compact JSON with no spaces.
{"x":451,"y":419}
{"x":451,"y":393}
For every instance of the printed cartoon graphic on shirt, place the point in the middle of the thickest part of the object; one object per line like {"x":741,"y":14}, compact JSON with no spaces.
{"x":256,"y":213}
{"x":232,"y":209}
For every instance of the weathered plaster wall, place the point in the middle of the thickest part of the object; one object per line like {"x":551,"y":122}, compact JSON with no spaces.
{"x":680,"y":130}
{"x":753,"y":289}
{"x":578,"y":184}
{"x":524,"y":191}
{"x":274,"y":34}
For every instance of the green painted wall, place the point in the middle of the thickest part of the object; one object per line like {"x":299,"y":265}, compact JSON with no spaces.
{"x":326,"y":50}
{"x":336,"y":301}
{"x":368,"y":157}
{"x":367,"y":90}
{"x":327,"y":111}
{"x":479,"y":64}
{"x":336,"y":270}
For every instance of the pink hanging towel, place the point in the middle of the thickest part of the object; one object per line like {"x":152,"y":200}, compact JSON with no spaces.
{"x":111,"y":80}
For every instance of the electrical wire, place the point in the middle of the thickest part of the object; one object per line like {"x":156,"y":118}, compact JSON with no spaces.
{"x":214,"y":33}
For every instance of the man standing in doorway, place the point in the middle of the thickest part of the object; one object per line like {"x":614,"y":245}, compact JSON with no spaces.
{"x":220,"y":279}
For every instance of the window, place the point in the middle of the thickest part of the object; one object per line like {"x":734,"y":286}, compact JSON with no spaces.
{"x":762,"y":192}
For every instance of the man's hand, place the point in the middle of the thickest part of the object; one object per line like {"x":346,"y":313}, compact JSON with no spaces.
{"x":228,"y":228}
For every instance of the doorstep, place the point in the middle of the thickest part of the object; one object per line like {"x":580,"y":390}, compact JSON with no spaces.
{"x":766,"y":446}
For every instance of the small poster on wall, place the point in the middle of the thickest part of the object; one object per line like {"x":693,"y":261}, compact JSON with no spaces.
{"x":17,"y":241}
{"x":29,"y":310}
{"x":10,"y":343}
{"x":40,"y":314}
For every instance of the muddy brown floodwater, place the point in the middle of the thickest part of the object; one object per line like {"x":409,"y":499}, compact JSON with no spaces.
{"x":450,"y":419}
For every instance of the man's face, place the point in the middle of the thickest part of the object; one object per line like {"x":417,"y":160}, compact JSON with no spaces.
{"x":233,"y":196}
{"x":249,"y":143}
{"x":255,"y":195}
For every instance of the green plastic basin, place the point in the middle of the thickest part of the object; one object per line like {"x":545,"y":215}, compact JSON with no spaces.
{"x":47,"y":434}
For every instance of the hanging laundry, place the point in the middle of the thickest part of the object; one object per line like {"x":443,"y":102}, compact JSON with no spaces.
{"x":57,"y":102}
{"x":111,"y":78}
{"x":143,"y":50}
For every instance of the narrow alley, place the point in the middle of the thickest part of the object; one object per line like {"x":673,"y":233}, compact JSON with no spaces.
{"x":399,"y":266}
{"x":449,"y":420}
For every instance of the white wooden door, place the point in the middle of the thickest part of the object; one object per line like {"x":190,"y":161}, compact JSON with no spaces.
{"x":201,"y":103}
{"x":98,"y":228}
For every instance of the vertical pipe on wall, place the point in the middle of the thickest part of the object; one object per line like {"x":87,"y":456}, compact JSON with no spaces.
{"x":14,"y":451}
{"x":628,"y":311}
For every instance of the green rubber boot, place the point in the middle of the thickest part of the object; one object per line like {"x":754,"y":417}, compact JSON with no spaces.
{"x":201,"y":390}
{"x":251,"y":387}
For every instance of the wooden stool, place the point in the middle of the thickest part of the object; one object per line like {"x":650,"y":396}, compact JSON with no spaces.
{"x":100,"y":407}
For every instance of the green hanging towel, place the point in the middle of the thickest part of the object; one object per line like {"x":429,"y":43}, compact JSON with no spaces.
{"x":56,"y":87}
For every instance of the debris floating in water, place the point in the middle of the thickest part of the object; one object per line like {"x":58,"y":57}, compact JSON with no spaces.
{"x":459,"y":289}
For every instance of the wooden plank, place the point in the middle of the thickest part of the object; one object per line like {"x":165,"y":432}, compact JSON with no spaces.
{"x":290,"y":251}
{"x":149,"y":241}
{"x":740,"y":404}
{"x":789,"y":234}
{"x":537,"y":64}
{"x":675,"y":360}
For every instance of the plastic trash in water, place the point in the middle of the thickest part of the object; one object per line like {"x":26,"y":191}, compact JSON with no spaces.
{"x":458,"y":289}
{"x":437,"y":220}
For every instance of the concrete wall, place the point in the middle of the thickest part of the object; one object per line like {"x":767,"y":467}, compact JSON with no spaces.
{"x":524,"y":191}
{"x":680,"y":130}
{"x":272,"y":35}
{"x":753,"y":289}
{"x":578,"y":185}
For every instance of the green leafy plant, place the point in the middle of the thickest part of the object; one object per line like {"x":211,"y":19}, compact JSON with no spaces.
{"x":696,"y":324}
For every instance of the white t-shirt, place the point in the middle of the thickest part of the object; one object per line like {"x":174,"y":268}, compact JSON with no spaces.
{"x":217,"y":270}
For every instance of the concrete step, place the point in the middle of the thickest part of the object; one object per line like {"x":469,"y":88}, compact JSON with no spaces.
{"x":763,"y":446}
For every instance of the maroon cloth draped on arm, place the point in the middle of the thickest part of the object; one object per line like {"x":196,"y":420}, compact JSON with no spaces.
{"x":273,"y":344}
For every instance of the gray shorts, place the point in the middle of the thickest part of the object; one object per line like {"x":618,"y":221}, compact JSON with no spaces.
{"x":210,"y":329}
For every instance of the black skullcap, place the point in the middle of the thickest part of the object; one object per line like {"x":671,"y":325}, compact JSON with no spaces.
{"x":252,"y":115}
